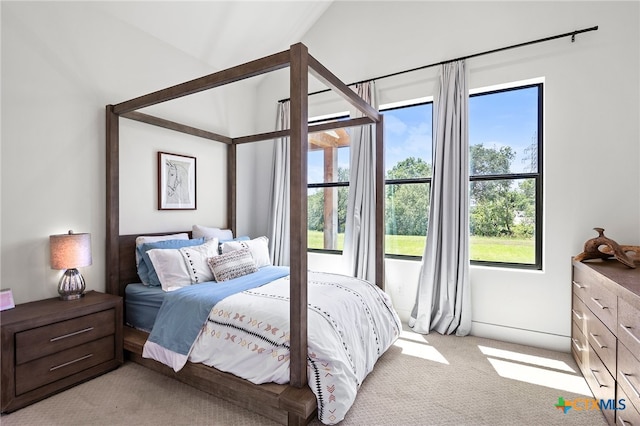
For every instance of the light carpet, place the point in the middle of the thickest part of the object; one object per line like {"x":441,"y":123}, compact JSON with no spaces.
{"x":421,"y":380}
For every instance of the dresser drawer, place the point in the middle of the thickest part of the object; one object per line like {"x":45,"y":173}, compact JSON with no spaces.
{"x":602,"y":302}
{"x":48,"y":369}
{"x":603,"y":342}
{"x":629,"y":374}
{"x":601,"y":383}
{"x":630,"y":416}
{"x":581,"y":282}
{"x":604,"y":305}
{"x":578,"y":312}
{"x":43,"y":341}
{"x":629,"y":325}
{"x":578,"y":344}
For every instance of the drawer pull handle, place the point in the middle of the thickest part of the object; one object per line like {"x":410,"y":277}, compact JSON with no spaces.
{"x":593,"y":336}
{"x":53,"y":339}
{"x":71,"y":362}
{"x":577,"y":314}
{"x":578,"y":285}
{"x":626,"y":379}
{"x":593,"y":373}
{"x":627,"y":328}
{"x":598,"y":304}
{"x":576,"y":344}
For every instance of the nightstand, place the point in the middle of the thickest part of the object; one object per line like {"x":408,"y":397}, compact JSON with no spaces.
{"x":51,"y":345}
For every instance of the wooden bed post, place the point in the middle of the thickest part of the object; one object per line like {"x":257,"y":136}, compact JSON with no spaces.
{"x":231,"y":187}
{"x":112,"y":266}
{"x":299,"y":81}
{"x":380,"y":200}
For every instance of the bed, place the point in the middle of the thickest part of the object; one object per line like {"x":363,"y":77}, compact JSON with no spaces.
{"x":293,"y":402}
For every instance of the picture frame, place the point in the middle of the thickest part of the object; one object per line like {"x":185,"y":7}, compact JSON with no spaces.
{"x":176,"y":182}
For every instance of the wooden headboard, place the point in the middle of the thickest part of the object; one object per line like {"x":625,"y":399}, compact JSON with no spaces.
{"x":127,"y":271}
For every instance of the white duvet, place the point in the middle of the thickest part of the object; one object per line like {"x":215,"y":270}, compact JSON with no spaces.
{"x":351,"y":323}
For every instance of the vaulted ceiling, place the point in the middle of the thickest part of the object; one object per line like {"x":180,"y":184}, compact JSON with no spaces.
{"x":222,"y":33}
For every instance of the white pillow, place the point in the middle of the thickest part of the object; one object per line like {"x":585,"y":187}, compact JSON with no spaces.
{"x":259,"y":248}
{"x":182,"y":267}
{"x":196,"y":257}
{"x":152,"y":239}
{"x":171,"y":268}
{"x":198,"y":231}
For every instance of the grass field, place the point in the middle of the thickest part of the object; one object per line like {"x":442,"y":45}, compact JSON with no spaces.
{"x":482,"y":248}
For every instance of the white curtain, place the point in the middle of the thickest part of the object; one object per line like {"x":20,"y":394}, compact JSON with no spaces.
{"x":359,"y":240}
{"x":279,"y":229}
{"x":443,"y":299}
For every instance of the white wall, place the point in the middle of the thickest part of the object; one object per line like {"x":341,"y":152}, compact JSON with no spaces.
{"x":591,"y":134}
{"x":61,"y":64}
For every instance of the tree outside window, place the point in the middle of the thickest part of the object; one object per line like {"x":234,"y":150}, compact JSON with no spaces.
{"x":505,"y":179}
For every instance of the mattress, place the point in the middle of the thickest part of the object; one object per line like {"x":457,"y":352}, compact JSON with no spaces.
{"x":142,"y":304}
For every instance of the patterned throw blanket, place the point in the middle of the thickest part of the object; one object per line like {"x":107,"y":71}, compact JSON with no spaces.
{"x":351,"y":323}
{"x":184,"y":312}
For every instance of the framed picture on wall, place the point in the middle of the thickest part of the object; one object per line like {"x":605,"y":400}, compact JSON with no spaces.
{"x":176,"y":182}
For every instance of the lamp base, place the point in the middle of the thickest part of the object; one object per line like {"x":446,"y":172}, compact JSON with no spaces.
{"x":71,"y":285}
{"x":71,"y":296}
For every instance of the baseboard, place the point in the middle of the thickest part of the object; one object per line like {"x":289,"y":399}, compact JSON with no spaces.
{"x":523,"y":337}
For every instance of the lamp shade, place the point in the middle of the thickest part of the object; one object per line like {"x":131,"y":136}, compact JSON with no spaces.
{"x":70,"y":250}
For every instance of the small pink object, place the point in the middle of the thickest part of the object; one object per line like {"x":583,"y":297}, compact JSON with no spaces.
{"x":6,"y":299}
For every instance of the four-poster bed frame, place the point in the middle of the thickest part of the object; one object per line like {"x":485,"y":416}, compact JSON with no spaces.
{"x":293,"y":403}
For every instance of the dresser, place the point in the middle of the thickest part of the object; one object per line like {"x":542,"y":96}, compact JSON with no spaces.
{"x":605,"y":335}
{"x":51,"y":345}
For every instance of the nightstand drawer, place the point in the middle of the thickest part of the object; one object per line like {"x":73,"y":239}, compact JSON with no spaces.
{"x":48,"y":369}
{"x":50,"y":345}
{"x":43,"y":341}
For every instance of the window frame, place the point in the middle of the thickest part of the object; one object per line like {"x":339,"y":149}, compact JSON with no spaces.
{"x":409,"y":181}
{"x":322,"y":185}
{"x":537,"y":176}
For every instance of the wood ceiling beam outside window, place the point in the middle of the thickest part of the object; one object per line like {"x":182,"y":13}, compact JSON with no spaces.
{"x":329,"y":141}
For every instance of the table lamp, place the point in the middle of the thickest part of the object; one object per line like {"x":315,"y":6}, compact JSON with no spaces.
{"x":70,"y":251}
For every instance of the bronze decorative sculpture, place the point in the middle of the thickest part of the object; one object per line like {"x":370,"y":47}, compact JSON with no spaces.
{"x":603,"y":247}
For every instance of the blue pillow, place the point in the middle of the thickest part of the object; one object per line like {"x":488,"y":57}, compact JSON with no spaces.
{"x":146,"y":271}
{"x":243,"y":238}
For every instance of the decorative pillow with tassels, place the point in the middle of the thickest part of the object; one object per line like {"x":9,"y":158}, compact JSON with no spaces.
{"x":232,"y":265}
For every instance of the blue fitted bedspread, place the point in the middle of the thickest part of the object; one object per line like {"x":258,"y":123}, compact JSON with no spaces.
{"x":142,"y":304}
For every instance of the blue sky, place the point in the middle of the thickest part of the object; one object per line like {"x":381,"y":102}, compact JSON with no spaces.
{"x":507,"y":118}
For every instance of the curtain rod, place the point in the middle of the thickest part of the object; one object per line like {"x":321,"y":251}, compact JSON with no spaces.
{"x":486,"y":52}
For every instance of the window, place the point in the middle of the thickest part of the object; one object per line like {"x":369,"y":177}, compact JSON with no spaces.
{"x":328,"y":183}
{"x":407,"y":177}
{"x":505,"y":145}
